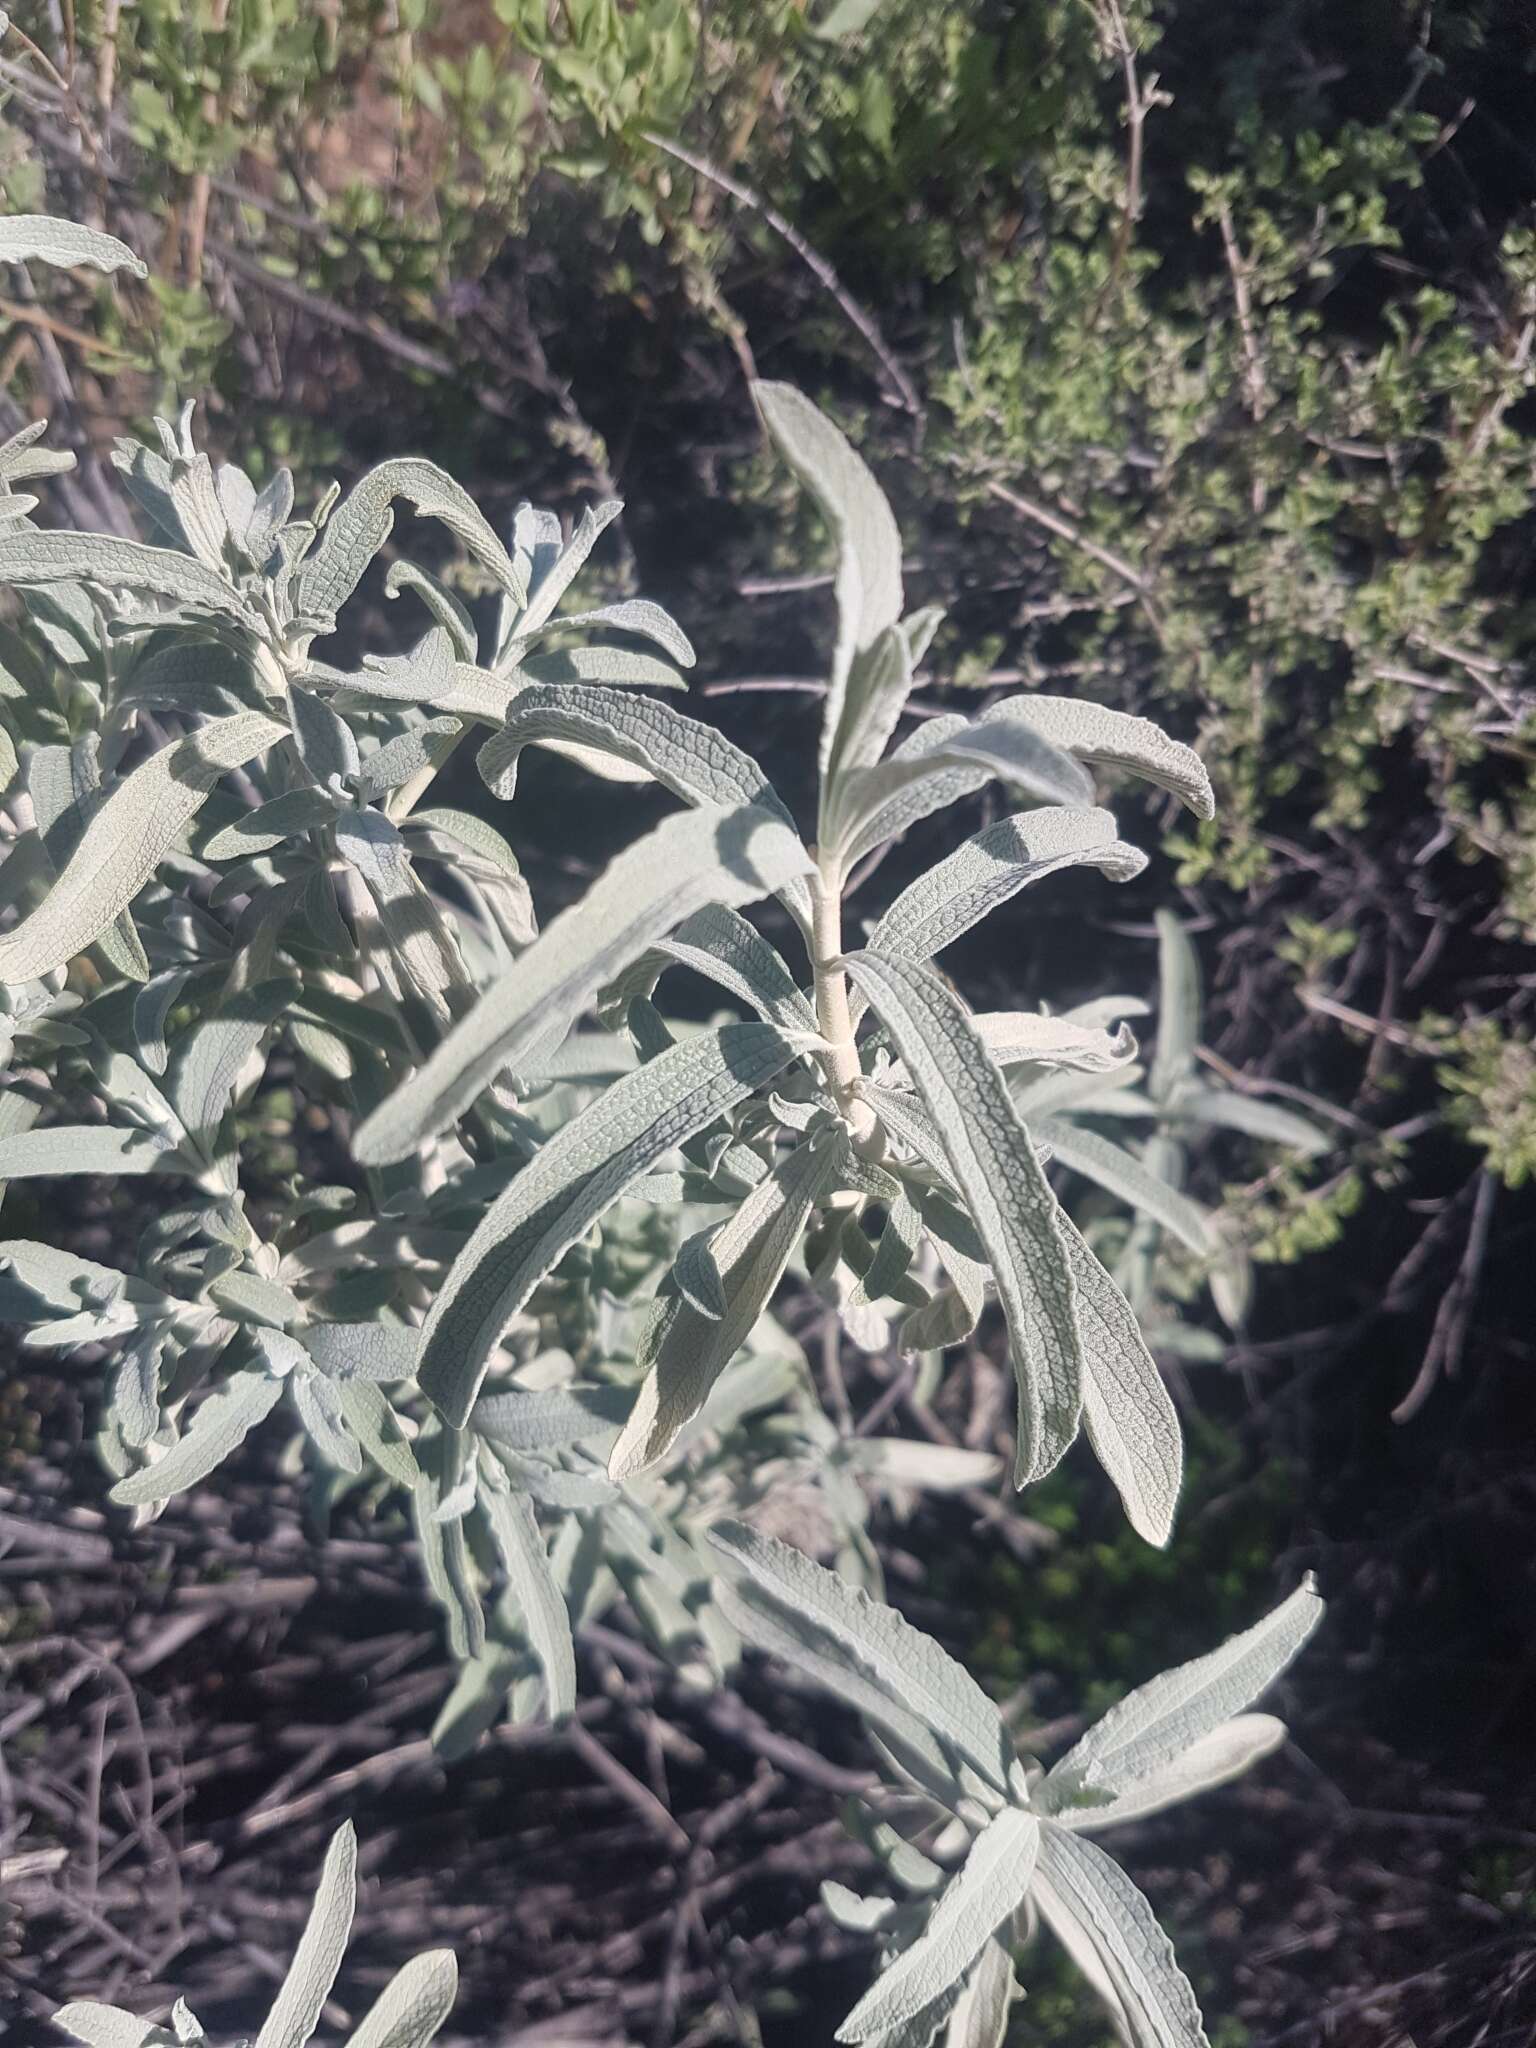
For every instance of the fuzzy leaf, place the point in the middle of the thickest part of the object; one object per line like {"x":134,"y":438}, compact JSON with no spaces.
{"x":1154,"y":1725}
{"x":868,"y":579}
{"x":985,"y":1892}
{"x":1004,"y":1188}
{"x":379,"y":1352}
{"x":1122,"y":1173}
{"x":708,"y":855}
{"x":1130,"y":1420}
{"x":132,"y":831}
{"x":221,"y":1424}
{"x":1079,"y":1882}
{"x":897,"y":1658}
{"x":1251,"y":1115}
{"x":993,"y":866}
{"x":78,"y":1148}
{"x":750,"y":1251}
{"x":685,"y":756}
{"x":108,"y":2026}
{"x":1114,"y":739}
{"x":954,"y":763}
{"x":361,"y":524}
{"x":38,"y":237}
{"x":1218,"y":1757}
{"x":413,"y":2005}
{"x":520,"y":1545}
{"x":550,"y":1418}
{"x":718,"y":943}
{"x":29,"y":559}
{"x":295,"y":2013}
{"x":569,"y":1183}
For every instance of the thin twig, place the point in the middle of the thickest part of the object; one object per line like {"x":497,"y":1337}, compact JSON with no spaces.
{"x":813,"y":260}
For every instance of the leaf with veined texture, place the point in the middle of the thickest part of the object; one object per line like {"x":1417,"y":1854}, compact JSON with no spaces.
{"x":964,"y":758}
{"x":520,"y":1545}
{"x":635,"y":615}
{"x":38,"y":237}
{"x":989,"y":1887}
{"x":1216,"y":1758}
{"x":1152,"y":1726}
{"x":685,"y":756}
{"x":993,"y":866}
{"x":1130,"y":1420}
{"x":569,"y":1183}
{"x":720,"y":944}
{"x":361,"y":524}
{"x":557,"y":578}
{"x":221,"y":1424}
{"x":1004,"y":1188}
{"x":28,"y":559}
{"x":749,"y":1251}
{"x":868,"y":579}
{"x":78,"y":1148}
{"x":1115,"y":739}
{"x":411,"y":2008}
{"x":132,"y":831}
{"x":296,"y":2011}
{"x":109,"y":2026}
{"x":898,"y":1658}
{"x":708,"y":855}
{"x":1078,"y":1882}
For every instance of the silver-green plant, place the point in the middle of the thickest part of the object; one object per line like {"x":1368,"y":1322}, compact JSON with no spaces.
{"x":540,"y":1311}
{"x":408,"y":2012}
{"x":978,"y":1838}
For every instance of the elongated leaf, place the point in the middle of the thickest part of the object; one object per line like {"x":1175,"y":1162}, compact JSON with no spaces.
{"x":637,"y":615}
{"x":29,"y":559}
{"x":78,"y":1148}
{"x":1178,"y":1007}
{"x":413,"y":2005}
{"x":212,"y":1057}
{"x":1131,"y":1421}
{"x":221,"y":1424}
{"x":1253,"y":1116}
{"x":567,"y":565}
{"x":1077,"y":1881}
{"x":38,"y":237}
{"x":361,"y":524}
{"x":1004,"y":1188}
{"x":1218,"y":1757}
{"x":899,"y":1658}
{"x":931,"y":1468}
{"x":1152,"y":1726}
{"x":568,"y":1184}
{"x":689,"y":860}
{"x":980,"y":2020}
{"x":962,"y":759}
{"x":137,"y":825}
{"x":990,"y":1885}
{"x":300,"y":810}
{"x":719,"y":943}
{"x":691,"y":759}
{"x":751,"y":1250}
{"x":415,"y":927}
{"x":994,"y":865}
{"x":531,"y":1581}
{"x":295,"y":2012}
{"x":623,"y":665}
{"x":1031,"y":1038}
{"x":781,"y":1629}
{"x":1111,"y":1166}
{"x":1115,"y":739}
{"x":868,"y":579}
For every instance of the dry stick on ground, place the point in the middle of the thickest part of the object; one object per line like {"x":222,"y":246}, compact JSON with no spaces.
{"x":814,"y":261}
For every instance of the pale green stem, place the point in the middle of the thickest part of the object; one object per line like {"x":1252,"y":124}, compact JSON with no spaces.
{"x":833,"y":1015}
